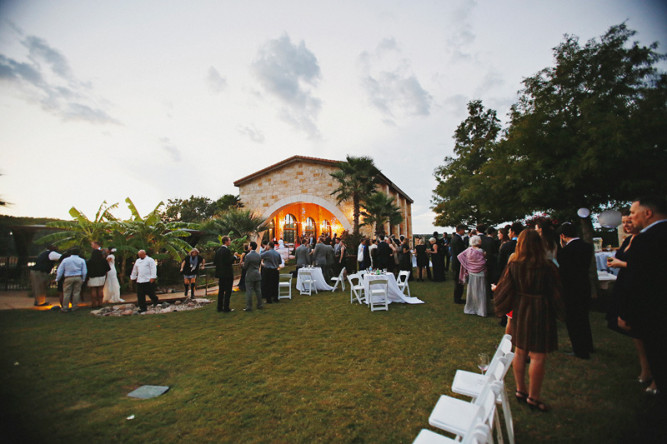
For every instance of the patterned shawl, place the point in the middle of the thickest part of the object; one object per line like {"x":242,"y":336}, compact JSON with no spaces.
{"x":472,"y":261}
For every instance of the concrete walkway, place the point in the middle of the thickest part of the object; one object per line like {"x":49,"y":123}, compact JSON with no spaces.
{"x":17,"y":300}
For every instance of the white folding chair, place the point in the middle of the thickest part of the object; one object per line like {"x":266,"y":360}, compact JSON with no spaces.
{"x":470,"y":384}
{"x":307,"y":282}
{"x":339,"y":280}
{"x":285,"y":281}
{"x":456,"y":415}
{"x":356,"y":288}
{"x":478,"y":434}
{"x":378,"y":297}
{"x":402,"y":281}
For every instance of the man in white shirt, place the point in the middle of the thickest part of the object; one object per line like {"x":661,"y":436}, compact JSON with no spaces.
{"x":145,"y":273}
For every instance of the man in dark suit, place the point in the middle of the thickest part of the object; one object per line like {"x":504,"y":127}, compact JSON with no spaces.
{"x":508,"y":248}
{"x":384,"y":254}
{"x":575,"y":261}
{"x":458,"y":245}
{"x":271,"y":262}
{"x":647,"y":267}
{"x":224,"y":271}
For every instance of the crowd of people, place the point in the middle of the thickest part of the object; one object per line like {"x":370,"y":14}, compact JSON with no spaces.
{"x":529,"y":276}
{"x":98,"y":274}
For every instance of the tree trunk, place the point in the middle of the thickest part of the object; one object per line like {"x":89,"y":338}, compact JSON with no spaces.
{"x":587,"y":236}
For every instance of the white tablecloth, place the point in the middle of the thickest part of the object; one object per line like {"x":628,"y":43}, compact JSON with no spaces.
{"x":601,"y":261}
{"x":318,"y":277}
{"x":394,"y":293}
{"x":605,"y":278}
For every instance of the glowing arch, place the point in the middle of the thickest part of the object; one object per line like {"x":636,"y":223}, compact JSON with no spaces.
{"x":309,"y":198}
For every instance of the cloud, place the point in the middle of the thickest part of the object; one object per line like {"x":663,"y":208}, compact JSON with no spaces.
{"x":289,"y":73}
{"x":46,"y":78}
{"x":390,"y":85}
{"x":253,"y":133}
{"x":216,"y":82}
{"x":170,"y":149}
{"x":462,"y":35}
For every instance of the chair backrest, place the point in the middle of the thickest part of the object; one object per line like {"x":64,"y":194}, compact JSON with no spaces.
{"x":504,"y":347}
{"x":362,"y":272}
{"x":382,"y":283}
{"x":498,"y":371}
{"x":403,"y":275}
{"x":479,"y":433}
{"x":352,"y":277}
{"x":487,"y":399}
{"x":306,"y":274}
{"x":285,"y":277}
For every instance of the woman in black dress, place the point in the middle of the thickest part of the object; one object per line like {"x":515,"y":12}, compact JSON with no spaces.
{"x":620,"y":298}
{"x":422,"y":259}
{"x":438,"y":260}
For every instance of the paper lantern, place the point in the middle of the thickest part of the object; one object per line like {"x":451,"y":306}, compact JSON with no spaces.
{"x":610,"y":218}
{"x":583,"y":212}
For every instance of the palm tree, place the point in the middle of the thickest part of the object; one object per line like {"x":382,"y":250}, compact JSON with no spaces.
{"x":81,"y":231}
{"x":380,"y":208}
{"x":357,"y":178}
{"x":235,"y":222}
{"x":164,"y":238}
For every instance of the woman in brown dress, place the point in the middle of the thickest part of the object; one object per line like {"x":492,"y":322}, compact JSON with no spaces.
{"x":531,"y":287}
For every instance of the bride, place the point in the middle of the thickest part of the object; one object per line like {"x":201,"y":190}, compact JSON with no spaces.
{"x":111,"y":289}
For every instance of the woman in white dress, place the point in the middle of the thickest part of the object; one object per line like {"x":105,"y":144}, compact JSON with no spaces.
{"x":111,"y":289}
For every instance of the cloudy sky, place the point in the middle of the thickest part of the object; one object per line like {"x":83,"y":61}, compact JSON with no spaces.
{"x":164,"y":99}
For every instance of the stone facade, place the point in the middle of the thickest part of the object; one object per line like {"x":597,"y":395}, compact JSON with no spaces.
{"x":308,"y":180}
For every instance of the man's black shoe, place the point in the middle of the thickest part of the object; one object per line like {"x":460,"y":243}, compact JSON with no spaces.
{"x":228,"y":310}
{"x":459,"y":302}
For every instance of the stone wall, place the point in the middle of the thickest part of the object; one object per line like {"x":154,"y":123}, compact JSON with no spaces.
{"x":307,"y":182}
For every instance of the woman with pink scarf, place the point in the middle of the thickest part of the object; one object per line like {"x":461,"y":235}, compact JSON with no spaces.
{"x":473,"y":267}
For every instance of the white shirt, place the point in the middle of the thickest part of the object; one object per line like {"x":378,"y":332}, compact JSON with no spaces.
{"x":144,"y":270}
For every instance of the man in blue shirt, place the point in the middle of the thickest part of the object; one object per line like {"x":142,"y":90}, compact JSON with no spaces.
{"x":74,"y":270}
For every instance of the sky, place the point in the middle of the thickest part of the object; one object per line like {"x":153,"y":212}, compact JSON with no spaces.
{"x":157,"y":100}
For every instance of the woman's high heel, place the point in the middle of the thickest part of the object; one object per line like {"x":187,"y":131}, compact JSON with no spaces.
{"x":521,"y":396}
{"x":536,"y":404}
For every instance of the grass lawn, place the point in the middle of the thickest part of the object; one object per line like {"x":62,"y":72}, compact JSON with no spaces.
{"x":313,"y":369}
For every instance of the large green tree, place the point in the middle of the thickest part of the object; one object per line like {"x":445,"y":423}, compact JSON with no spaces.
{"x":380,"y":208}
{"x":458,"y":195}
{"x":357,"y":179}
{"x":588,"y":132}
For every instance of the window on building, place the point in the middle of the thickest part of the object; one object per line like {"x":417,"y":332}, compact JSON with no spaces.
{"x":289,"y":229}
{"x":326,"y":228}
{"x":309,"y":228}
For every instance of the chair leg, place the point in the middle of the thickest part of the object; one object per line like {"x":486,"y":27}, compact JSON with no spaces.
{"x":507,"y":413}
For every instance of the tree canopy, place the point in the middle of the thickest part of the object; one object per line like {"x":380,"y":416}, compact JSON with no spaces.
{"x":380,"y":208}
{"x":199,"y":208}
{"x":588,"y":132}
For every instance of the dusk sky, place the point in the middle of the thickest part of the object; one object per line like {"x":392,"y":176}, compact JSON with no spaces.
{"x":166,"y":99}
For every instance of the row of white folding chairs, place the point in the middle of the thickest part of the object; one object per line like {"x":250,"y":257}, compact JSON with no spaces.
{"x":462,"y":418}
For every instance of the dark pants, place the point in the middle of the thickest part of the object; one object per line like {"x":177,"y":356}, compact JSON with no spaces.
{"x":270,"y":279}
{"x":225,"y":292}
{"x":655,"y":342}
{"x":579,"y":327}
{"x":145,"y":289}
{"x":458,"y":286}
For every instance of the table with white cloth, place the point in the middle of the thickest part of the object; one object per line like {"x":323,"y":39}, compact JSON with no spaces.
{"x":604,"y":278}
{"x":317,"y":276}
{"x":395,"y":294}
{"x":601,"y":261}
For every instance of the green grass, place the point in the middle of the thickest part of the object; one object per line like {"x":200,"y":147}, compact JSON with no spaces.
{"x":313,"y":369}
